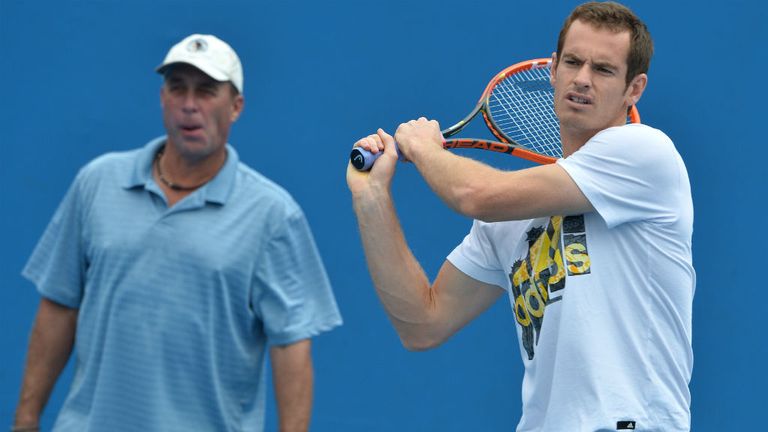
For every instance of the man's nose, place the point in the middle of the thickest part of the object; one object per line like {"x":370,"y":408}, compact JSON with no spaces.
{"x":189,"y":103}
{"x":584,"y":76}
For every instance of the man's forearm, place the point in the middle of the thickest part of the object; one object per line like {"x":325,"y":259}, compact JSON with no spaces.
{"x":465,"y":185}
{"x":401,"y":284}
{"x":293,"y":380}
{"x":482,"y":192}
{"x":399,"y":279}
{"x":50,"y":345}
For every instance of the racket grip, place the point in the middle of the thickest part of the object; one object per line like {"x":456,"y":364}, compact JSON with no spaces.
{"x":363,"y":160}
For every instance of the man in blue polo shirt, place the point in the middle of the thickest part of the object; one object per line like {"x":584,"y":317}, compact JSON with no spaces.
{"x":169,"y":270}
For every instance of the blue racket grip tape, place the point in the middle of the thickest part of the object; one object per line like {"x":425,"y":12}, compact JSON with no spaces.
{"x":363,"y":160}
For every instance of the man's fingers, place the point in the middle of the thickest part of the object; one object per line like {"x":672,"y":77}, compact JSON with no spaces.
{"x":372,"y":143}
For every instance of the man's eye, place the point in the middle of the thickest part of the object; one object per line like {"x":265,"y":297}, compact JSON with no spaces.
{"x":605,"y":71}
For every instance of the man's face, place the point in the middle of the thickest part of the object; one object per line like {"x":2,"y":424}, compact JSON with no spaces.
{"x":197,"y":111}
{"x":591,"y":93}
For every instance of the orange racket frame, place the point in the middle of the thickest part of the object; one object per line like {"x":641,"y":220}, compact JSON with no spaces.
{"x":506,"y":144}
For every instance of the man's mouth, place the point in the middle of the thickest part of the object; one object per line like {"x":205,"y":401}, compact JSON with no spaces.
{"x":190,"y":128}
{"x":581,"y":100}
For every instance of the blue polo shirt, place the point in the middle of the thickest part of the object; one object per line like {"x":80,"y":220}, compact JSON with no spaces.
{"x":178,"y":305}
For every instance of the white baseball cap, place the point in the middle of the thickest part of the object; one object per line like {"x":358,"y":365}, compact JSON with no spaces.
{"x":211,"y":55}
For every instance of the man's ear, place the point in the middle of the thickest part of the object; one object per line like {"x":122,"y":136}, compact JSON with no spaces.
{"x":237,"y":107}
{"x":636,"y":88}
{"x":553,"y":69}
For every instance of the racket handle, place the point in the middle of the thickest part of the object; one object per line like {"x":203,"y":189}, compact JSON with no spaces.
{"x":363,"y":160}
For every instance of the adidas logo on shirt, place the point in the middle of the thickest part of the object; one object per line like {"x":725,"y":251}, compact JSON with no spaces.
{"x":626,"y":425}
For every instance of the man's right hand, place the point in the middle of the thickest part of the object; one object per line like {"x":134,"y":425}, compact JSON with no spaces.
{"x":378,"y":180}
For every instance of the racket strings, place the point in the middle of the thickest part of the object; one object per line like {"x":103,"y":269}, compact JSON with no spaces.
{"x":521,"y":106}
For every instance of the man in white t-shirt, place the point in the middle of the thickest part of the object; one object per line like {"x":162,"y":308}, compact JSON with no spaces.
{"x":594,"y":251}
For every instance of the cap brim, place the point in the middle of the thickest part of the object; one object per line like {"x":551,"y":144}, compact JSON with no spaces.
{"x":211,"y":72}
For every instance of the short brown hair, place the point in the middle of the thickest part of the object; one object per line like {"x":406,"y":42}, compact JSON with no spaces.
{"x":617,"y":18}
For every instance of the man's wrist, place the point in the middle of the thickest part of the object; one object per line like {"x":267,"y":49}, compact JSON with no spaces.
{"x":419,"y":153}
{"x":371,"y":194}
{"x":25,"y":428}
{"x":26,"y":420}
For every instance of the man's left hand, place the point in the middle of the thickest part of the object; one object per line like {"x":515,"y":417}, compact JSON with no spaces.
{"x":417,"y":137}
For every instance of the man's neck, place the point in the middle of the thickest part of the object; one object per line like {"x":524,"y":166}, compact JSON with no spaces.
{"x":572,"y":141}
{"x":189,"y":171}
{"x":179,"y":176}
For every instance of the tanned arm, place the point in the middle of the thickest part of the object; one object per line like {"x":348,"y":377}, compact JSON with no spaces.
{"x":50,"y":345}
{"x":423,"y":314}
{"x":483,"y":192}
{"x":293,"y":378}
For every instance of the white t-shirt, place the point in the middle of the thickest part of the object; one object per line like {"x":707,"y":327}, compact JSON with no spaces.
{"x":602,"y":300}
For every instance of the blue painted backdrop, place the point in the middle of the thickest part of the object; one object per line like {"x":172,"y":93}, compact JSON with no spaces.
{"x":77,"y":80}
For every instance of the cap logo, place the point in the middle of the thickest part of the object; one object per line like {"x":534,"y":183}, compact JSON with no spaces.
{"x":197,"y":45}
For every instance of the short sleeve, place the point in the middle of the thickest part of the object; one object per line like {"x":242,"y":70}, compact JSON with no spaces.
{"x":58,"y":264}
{"x":475,"y":257}
{"x":620,"y":171}
{"x":295,"y":301}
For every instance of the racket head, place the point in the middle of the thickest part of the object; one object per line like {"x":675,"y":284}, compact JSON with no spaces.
{"x":518,"y":108}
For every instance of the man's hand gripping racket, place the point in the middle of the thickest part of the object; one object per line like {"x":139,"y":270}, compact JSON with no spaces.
{"x":517,"y":106}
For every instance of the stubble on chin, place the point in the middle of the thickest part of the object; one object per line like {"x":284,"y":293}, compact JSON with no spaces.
{"x":193,"y":151}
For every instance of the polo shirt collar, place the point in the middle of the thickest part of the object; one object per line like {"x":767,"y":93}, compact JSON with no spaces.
{"x":217,"y":190}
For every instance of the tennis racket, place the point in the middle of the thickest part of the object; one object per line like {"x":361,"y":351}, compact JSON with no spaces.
{"x":517,"y":106}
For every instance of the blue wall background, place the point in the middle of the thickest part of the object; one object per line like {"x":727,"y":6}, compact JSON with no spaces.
{"x":77,"y":80}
